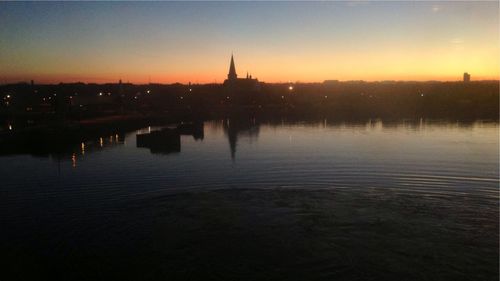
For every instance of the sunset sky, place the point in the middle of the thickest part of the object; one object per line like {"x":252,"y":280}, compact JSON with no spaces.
{"x":169,"y":42}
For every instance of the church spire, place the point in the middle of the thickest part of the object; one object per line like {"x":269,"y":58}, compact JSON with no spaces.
{"x":232,"y":70}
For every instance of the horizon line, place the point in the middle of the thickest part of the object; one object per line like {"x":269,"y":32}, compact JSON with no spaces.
{"x":218,"y":83}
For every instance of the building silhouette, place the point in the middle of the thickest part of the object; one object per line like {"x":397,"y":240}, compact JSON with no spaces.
{"x":168,"y":140}
{"x":234,"y":83}
{"x":466,"y":77}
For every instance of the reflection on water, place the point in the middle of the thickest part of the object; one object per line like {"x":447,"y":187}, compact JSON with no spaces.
{"x":168,"y":140}
{"x":240,"y":128}
{"x":249,"y":199}
{"x":58,"y":147}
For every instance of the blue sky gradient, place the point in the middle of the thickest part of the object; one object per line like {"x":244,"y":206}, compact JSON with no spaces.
{"x":276,"y":41}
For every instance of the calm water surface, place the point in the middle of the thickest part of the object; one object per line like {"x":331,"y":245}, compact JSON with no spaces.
{"x":259,"y":201}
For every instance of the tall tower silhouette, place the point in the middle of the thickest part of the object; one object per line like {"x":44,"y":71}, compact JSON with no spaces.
{"x":232,"y":71}
{"x":240,"y":85}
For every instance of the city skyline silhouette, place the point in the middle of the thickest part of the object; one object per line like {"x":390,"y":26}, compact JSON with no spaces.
{"x":249,"y":140}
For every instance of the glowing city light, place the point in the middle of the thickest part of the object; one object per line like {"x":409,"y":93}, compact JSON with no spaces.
{"x":290,"y":88}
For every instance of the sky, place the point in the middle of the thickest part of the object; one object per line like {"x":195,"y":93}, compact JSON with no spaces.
{"x":167,"y":42}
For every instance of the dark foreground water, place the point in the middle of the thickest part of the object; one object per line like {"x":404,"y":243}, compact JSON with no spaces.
{"x":243,"y":200}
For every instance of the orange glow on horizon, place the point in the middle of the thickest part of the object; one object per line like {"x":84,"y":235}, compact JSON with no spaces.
{"x":445,"y":64}
{"x":42,"y":79}
{"x":409,"y":65}
{"x":267,"y":77}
